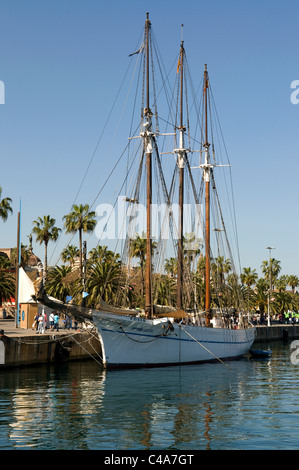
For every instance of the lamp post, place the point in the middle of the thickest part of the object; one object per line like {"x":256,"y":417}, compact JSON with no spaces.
{"x":270,"y":285}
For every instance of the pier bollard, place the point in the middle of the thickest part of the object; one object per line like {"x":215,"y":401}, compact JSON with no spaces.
{"x":285,"y":334}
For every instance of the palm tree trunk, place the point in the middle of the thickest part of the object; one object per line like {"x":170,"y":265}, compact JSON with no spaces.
{"x":46,"y":261}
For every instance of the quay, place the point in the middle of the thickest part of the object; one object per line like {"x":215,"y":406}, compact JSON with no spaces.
{"x":279,"y":331}
{"x":20,"y":346}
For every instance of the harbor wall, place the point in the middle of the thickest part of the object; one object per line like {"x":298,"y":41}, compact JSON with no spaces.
{"x":29,"y":350}
{"x":276,"y":332}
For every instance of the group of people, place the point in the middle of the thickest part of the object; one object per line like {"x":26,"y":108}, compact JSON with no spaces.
{"x":41,"y":322}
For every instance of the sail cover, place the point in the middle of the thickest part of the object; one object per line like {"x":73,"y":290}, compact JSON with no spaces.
{"x":26,"y":288}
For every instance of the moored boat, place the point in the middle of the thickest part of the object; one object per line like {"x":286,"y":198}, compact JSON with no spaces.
{"x":180,"y":334}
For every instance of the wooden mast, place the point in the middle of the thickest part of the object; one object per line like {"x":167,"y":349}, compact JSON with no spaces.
{"x":207,"y":176}
{"x":181,"y":164}
{"x":147,"y":134}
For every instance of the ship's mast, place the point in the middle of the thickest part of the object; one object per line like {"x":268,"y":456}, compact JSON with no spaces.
{"x":207,"y":167}
{"x":181,"y":154}
{"x":147,"y":136}
{"x":207,"y":177}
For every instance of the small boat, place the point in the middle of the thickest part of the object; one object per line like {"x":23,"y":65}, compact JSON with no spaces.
{"x":260,"y":353}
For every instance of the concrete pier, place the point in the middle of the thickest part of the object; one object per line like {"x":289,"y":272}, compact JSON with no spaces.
{"x":276,"y":332}
{"x":20,"y":347}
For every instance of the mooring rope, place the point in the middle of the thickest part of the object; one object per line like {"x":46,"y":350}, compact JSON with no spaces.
{"x":58,"y":339}
{"x":218,"y":359}
{"x":80,"y":344}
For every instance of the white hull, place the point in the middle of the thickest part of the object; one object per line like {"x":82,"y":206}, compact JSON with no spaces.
{"x":132,"y":341}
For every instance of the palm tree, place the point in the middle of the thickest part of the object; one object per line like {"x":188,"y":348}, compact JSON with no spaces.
{"x":7,"y":285}
{"x":5,"y":207}
{"x":171,"y":266}
{"x":69,"y":254}
{"x":220,"y":267}
{"x":102,"y":253}
{"x":281,"y":283}
{"x":25,"y":255}
{"x":45,"y":230}
{"x":283,"y":302}
{"x":80,"y":219}
{"x":192,"y":246}
{"x":260,"y":295}
{"x":275,"y":269}
{"x":165,"y":292}
{"x":102,"y":281}
{"x":5,"y":263}
{"x":248,"y":277}
{"x":137,"y":249}
{"x":55,"y":285}
{"x":293,"y":282}
{"x":237,"y":293}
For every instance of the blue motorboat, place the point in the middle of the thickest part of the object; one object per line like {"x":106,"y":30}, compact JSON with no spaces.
{"x":260,"y":353}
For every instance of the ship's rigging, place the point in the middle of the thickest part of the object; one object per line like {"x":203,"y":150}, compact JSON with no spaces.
{"x":176,"y":157}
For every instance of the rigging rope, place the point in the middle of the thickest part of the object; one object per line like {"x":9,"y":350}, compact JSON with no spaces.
{"x":210,"y":352}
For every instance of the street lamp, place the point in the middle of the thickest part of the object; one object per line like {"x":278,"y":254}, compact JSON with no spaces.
{"x":270,"y":285}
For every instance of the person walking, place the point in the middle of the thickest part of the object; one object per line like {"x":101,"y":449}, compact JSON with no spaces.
{"x":56,"y":322}
{"x":35,"y":323}
{"x":51,"y":320}
{"x":39,"y":326}
{"x":41,"y":323}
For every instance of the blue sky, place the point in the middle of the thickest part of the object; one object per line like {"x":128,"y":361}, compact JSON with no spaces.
{"x":62,"y":64}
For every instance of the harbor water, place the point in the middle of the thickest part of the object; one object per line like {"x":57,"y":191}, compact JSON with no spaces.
{"x":247,"y":404}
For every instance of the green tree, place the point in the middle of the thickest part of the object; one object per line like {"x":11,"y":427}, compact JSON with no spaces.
{"x":237,"y":293}
{"x":248,"y":277}
{"x":261,"y":294}
{"x":293,"y":282}
{"x":45,"y":231}
{"x":69,"y":254}
{"x":191,"y":248}
{"x":137,"y":249}
{"x":165,"y":291}
{"x":171,"y":266}
{"x":25,"y":255}
{"x":5,"y":206}
{"x":102,"y":253}
{"x":7,"y":285}
{"x":5,"y":263}
{"x":281,"y":283}
{"x":80,"y":219}
{"x":56,"y":285}
{"x":220,"y":267}
{"x":282,"y":302}
{"x":102,"y":281}
{"x":275,"y":270}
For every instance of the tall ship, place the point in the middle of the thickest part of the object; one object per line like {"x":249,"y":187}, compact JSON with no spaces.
{"x":198,"y":321}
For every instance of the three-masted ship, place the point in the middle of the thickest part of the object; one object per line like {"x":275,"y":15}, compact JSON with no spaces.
{"x":169,"y":336}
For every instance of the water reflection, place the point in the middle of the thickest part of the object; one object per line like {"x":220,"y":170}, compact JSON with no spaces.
{"x":209,"y":406}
